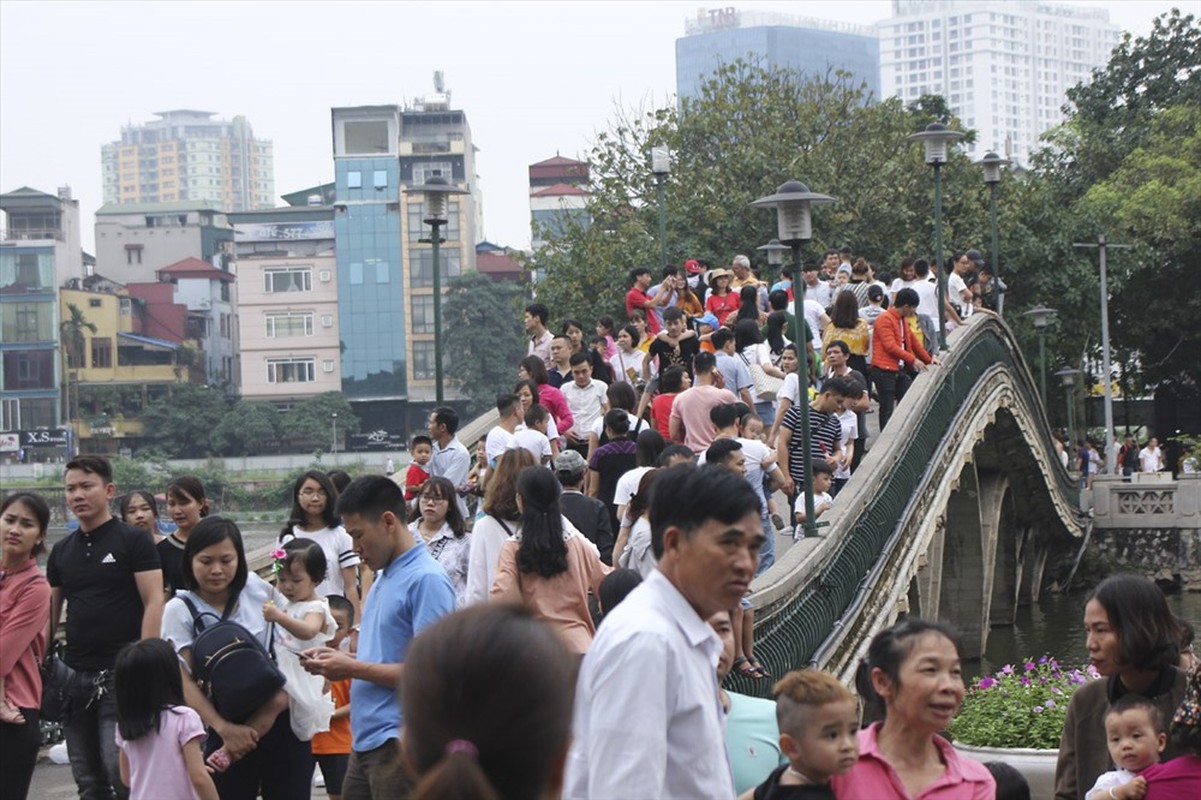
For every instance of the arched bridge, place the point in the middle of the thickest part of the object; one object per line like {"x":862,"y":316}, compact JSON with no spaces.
{"x":952,"y":515}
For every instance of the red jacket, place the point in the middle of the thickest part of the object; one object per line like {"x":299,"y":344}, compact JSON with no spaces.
{"x":893,"y":341}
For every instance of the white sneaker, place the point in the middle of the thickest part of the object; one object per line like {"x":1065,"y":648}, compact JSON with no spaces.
{"x":318,"y":778}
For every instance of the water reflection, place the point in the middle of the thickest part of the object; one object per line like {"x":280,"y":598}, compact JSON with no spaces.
{"x":1055,"y":627}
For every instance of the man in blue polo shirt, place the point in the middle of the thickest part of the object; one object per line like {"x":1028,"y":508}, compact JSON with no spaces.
{"x":411,"y":591}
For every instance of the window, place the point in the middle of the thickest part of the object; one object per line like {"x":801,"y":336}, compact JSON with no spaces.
{"x":327,"y":320}
{"x":422,"y":267}
{"x":327,"y":365}
{"x":423,"y":313}
{"x":291,"y":370}
{"x":290,"y":323}
{"x":423,"y":361}
{"x":418,"y":230}
{"x":423,"y":171}
{"x":379,"y":179}
{"x":368,"y":137}
{"x":126,"y":306}
{"x":133,"y":254}
{"x":354,"y":180}
{"x":225,"y":291}
{"x":325,"y":275}
{"x":102,"y":352}
{"x":288,"y":279}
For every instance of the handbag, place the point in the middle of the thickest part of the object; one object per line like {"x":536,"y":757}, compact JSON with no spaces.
{"x":230,"y":664}
{"x":766,"y":386}
{"x":57,"y":679}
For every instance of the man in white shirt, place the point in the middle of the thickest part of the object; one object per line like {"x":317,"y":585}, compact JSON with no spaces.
{"x":451,"y":459}
{"x":656,"y":652}
{"x":500,"y":437}
{"x":816,"y":289}
{"x":536,"y":315}
{"x":587,"y":400}
{"x":1151,"y":457}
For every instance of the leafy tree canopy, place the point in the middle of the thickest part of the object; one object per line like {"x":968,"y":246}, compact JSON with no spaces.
{"x":482,"y":340}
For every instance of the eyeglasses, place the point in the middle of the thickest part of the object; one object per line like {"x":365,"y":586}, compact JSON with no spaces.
{"x":312,"y":493}
{"x":428,"y":498}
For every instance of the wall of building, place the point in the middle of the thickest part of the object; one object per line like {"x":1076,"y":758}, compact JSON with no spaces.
{"x":128,"y":251}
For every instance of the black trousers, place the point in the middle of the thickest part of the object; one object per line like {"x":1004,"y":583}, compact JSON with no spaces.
{"x":890,"y":388}
{"x":281,"y":766}
{"x":19,"y":753}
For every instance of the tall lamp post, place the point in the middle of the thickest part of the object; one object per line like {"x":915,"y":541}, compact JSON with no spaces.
{"x":661,"y":168}
{"x":333,"y":447}
{"x":935,"y":139}
{"x":1068,"y":376}
{"x":991,"y":165}
{"x":1041,"y":317}
{"x":433,"y":193}
{"x":792,"y":202}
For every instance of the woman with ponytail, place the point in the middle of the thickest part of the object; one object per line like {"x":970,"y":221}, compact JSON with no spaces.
{"x":487,"y":702}
{"x":547,"y":567}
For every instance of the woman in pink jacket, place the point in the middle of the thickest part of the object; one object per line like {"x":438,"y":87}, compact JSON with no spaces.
{"x":24,"y":612}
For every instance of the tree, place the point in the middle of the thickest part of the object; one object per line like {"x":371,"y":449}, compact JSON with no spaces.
{"x":312,"y":419}
{"x":73,"y":344}
{"x":482,"y":335}
{"x":751,"y":129}
{"x":183,"y":424}
{"x":250,"y":425}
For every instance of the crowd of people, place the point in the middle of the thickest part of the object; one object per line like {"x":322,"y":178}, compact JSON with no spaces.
{"x":552,"y":612}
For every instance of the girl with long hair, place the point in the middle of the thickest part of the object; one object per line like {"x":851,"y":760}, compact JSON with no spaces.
{"x":722,"y":302}
{"x":847,"y":325}
{"x":139,"y":509}
{"x":500,"y":521}
{"x":159,"y":735}
{"x":440,"y":525}
{"x":547,"y":568}
{"x":313,"y":517}
{"x":186,"y":505}
{"x":533,"y":368}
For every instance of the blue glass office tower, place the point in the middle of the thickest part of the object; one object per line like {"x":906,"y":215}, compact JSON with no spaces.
{"x":811,"y":47}
{"x":367,"y":230}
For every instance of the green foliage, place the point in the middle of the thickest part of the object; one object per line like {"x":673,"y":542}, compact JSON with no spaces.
{"x":751,"y":129}
{"x":250,"y":425}
{"x":1022,"y":706}
{"x":482,"y":338}
{"x":182,"y":424}
{"x":311,"y":420}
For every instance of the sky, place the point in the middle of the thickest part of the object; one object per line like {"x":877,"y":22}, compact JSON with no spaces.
{"x":534,"y":78}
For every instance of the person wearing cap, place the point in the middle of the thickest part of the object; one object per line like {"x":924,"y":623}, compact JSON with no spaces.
{"x":587,"y":514}
{"x":698,"y":280}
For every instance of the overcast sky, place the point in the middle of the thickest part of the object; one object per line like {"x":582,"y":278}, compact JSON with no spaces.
{"x":534,"y":78}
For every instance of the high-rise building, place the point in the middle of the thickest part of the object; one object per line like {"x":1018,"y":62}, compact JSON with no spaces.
{"x":188,"y":155}
{"x":558,"y":195}
{"x":288,"y":300}
{"x":811,"y":47}
{"x":384,"y":269}
{"x":1003,"y":68}
{"x":39,"y":252}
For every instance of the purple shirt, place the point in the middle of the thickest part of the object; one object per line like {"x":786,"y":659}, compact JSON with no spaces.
{"x":1178,"y":779}
{"x":156,"y":763}
{"x":872,"y":776}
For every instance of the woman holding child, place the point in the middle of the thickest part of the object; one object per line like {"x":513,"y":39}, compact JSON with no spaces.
{"x":1132,"y":641}
{"x":264,"y":752}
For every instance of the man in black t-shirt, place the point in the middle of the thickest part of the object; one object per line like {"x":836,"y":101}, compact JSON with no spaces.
{"x":108,"y":573}
{"x":672,"y":348}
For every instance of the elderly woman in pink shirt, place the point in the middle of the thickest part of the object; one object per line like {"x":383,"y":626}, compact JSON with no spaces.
{"x":912,"y":671}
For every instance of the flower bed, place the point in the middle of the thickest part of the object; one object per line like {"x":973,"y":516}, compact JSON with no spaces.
{"x":1020,"y":706}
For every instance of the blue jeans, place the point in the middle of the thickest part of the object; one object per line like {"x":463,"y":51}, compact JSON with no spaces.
{"x":91,"y":743}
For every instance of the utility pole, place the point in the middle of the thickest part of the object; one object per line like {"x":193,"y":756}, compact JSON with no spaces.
{"x":1111,"y":454}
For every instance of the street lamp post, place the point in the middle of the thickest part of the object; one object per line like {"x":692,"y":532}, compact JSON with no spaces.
{"x":991,"y":164}
{"x":792,"y":202}
{"x":1068,"y":376}
{"x":935,"y":139}
{"x":434,"y":192}
{"x":333,"y":448}
{"x":774,"y":252}
{"x":1041,"y":317}
{"x":661,"y":167}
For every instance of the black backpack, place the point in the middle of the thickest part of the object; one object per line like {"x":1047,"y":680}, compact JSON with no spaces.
{"x":230,"y":664}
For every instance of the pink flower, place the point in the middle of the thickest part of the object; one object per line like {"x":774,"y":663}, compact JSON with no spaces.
{"x":278,"y":554}
{"x":1007,"y":669}
{"x":1030,"y":666}
{"x":987,"y":683}
{"x":1050,"y":703}
{"x":1038,"y":709}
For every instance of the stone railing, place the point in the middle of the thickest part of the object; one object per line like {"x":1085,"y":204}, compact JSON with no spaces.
{"x":1149,"y":501}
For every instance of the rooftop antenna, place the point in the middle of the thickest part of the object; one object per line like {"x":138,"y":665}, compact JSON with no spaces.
{"x":439,"y":84}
